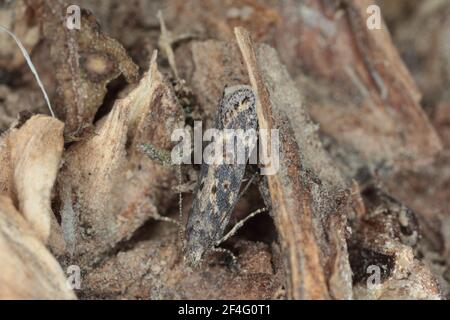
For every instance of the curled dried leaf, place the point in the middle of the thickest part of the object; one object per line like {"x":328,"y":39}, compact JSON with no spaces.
{"x":31,"y":158}
{"x":29,"y":271}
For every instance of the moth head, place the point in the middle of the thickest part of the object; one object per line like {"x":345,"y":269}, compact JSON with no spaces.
{"x":239,"y":96}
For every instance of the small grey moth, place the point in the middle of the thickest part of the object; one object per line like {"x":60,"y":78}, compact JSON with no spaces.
{"x":218,"y":185}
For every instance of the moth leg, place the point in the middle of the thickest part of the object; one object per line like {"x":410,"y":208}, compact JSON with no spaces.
{"x":234,"y":260}
{"x":232,"y":232}
{"x":238,"y":225}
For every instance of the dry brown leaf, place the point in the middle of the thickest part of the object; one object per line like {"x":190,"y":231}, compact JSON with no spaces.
{"x":36,"y":150}
{"x":28,"y":270}
{"x":84,"y":61}
{"x":31,"y":156}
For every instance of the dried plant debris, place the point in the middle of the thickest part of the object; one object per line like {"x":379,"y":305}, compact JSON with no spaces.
{"x":382,"y":252}
{"x":298,"y":184}
{"x":423,"y":26}
{"x":31,"y":153}
{"x":350,"y":212}
{"x":29,"y":271}
{"x":107,"y":187}
{"x":367,"y":99}
{"x":428,"y":26}
{"x":153,"y":270}
{"x":84,"y":61}
{"x":426,"y":190}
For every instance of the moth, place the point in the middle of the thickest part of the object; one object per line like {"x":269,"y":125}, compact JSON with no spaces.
{"x":218,"y":185}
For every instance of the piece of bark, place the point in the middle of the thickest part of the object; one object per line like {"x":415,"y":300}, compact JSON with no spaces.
{"x":84,"y":61}
{"x":29,"y":271}
{"x":85,"y":184}
{"x":107,"y":188}
{"x":31,"y":157}
{"x":308,"y":200}
{"x":356,"y":86}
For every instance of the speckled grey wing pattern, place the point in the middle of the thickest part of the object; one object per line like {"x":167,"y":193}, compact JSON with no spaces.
{"x":218,"y":186}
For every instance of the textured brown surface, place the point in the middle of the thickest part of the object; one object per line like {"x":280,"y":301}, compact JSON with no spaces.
{"x":363,"y":177}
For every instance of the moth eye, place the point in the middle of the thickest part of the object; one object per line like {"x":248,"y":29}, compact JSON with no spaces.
{"x":246,"y":100}
{"x":226,"y":185}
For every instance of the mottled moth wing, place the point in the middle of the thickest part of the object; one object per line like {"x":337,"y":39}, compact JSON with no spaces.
{"x":218,"y":185}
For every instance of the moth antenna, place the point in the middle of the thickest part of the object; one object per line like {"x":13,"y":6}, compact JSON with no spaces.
{"x":180,"y":201}
{"x":180,"y":205}
{"x":31,"y":65}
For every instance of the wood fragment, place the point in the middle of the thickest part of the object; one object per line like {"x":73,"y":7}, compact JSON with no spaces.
{"x":292,"y":189}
